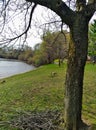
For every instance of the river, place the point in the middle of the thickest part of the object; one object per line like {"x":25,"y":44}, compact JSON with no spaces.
{"x":13,"y":67}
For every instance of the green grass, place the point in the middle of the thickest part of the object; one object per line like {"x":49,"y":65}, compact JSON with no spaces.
{"x":38,"y":90}
{"x":89,"y":96}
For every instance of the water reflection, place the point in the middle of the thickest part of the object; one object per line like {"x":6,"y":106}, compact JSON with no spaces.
{"x":12,"y":67}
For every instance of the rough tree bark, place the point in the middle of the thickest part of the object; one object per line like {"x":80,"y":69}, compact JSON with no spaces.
{"x":78,"y":24}
{"x":75,"y":73}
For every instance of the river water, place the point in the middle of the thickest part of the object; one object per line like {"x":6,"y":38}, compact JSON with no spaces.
{"x":13,"y":67}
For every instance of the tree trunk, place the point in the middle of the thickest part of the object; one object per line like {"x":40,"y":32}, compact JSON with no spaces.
{"x":75,"y":72}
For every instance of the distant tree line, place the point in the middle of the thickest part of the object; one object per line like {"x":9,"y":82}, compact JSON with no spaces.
{"x":54,"y":46}
{"x":9,"y":52}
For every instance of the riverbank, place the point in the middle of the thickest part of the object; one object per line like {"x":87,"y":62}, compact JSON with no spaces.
{"x":39,"y":90}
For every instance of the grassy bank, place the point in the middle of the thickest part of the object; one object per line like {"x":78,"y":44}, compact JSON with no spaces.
{"x":38,"y":90}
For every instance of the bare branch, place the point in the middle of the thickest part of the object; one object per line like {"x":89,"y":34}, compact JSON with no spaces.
{"x":59,"y":7}
{"x":90,"y":10}
{"x":7,"y":41}
{"x":29,"y":25}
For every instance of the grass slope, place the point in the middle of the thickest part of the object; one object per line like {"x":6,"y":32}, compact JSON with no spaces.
{"x":38,"y":90}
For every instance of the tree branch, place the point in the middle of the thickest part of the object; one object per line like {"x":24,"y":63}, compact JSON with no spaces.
{"x":32,"y":10}
{"x":90,"y":10}
{"x":26,"y":30}
{"x":59,"y":7}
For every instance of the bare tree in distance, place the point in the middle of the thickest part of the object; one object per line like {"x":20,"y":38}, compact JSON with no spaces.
{"x":76,"y":14}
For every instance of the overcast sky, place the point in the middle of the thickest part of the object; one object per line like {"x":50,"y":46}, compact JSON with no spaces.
{"x":41,"y":15}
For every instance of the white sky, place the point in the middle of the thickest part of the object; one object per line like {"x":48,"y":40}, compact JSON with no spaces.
{"x":41,"y":16}
{"x":35,"y":34}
